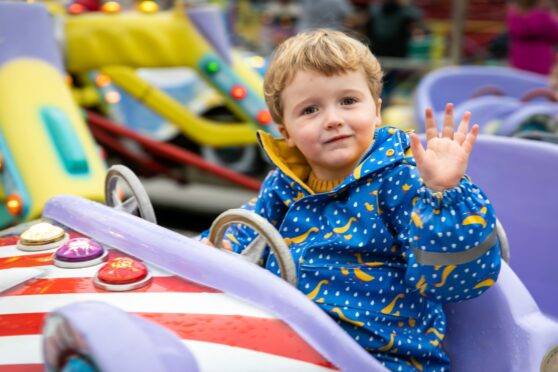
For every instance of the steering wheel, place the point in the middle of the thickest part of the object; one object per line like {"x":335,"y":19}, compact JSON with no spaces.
{"x":254,"y":251}
{"x":504,"y":243}
{"x":138,"y":203}
{"x":547,"y":93}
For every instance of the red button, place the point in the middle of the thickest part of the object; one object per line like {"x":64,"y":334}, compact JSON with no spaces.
{"x":122,"y":270}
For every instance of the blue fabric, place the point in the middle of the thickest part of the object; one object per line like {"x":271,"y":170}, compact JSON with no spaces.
{"x":353,"y":248}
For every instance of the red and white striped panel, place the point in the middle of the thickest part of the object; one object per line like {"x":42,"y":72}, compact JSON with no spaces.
{"x":211,"y":323}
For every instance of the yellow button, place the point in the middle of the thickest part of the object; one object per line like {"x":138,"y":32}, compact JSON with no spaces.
{"x":391,"y":130}
{"x":42,"y":233}
{"x":390,"y":152}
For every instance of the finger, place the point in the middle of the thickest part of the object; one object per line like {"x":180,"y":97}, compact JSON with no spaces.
{"x":471,"y":139}
{"x":431,"y":130}
{"x":463,"y":128}
{"x":227,"y":245}
{"x":206,"y":242}
{"x":447,"y":129}
{"x":417,"y":149}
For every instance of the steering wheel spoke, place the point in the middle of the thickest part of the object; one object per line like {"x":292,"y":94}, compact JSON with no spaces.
{"x":130,"y":205}
{"x":138,"y":203}
{"x":115,"y":195}
{"x":254,"y":251}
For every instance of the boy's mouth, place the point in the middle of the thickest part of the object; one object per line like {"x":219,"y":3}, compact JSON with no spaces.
{"x":337,"y":139}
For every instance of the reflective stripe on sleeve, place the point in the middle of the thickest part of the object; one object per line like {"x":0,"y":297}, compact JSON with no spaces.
{"x":455,"y":258}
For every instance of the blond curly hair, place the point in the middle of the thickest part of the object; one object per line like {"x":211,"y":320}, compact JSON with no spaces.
{"x":324,"y":51}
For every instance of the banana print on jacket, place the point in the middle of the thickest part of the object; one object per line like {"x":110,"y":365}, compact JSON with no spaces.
{"x":390,"y":250}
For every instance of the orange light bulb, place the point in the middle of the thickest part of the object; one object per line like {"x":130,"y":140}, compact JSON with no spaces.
{"x":111,"y":7}
{"x":238,"y":92}
{"x":264,"y":117}
{"x":14,"y":204}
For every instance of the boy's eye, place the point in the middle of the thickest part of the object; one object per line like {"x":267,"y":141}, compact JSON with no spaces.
{"x":348,"y":101}
{"x":309,"y":110}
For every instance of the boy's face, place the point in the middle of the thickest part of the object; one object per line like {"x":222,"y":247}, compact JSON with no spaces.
{"x":331,"y":120}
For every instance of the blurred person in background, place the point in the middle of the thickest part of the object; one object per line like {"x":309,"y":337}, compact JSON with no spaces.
{"x":280,"y":19}
{"x":334,"y":14}
{"x":389,"y":29}
{"x":533,"y":35}
{"x":420,"y":42}
{"x":390,"y":25}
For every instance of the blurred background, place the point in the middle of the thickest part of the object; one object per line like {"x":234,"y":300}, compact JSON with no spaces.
{"x":173,"y":91}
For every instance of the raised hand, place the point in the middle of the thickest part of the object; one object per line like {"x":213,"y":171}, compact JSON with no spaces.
{"x":444,"y":161}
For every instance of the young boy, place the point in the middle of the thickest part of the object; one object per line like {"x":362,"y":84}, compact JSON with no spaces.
{"x":381,"y":239}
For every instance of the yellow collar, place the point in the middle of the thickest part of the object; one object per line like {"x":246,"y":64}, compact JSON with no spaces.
{"x":289,"y":159}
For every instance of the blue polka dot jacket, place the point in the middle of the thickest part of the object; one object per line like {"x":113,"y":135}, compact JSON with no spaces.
{"x":381,"y":253}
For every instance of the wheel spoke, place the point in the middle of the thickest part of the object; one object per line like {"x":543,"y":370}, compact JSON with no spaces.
{"x":115,"y":199}
{"x":254,"y":251}
{"x":130,"y":206}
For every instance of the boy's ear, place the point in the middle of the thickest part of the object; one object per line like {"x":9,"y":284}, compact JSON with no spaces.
{"x":379,"y":111}
{"x":285,"y":133}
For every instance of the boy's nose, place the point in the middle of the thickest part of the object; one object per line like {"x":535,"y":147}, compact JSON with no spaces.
{"x":334,"y":120}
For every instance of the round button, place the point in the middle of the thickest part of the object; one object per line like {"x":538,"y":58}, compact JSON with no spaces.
{"x":42,"y":236}
{"x":80,"y":252}
{"x":390,"y":152}
{"x":41,"y":233}
{"x":122,"y":274}
{"x":391,"y":130}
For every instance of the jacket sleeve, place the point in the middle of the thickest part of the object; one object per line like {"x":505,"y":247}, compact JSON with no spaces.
{"x":267,"y":204}
{"x":448,"y":239}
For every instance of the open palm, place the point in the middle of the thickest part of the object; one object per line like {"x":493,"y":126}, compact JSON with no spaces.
{"x":444,"y":161}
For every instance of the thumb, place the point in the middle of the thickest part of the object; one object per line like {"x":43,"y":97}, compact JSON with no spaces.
{"x":417,"y":149}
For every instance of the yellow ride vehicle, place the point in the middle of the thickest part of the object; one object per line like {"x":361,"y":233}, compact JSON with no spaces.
{"x":113,"y":46}
{"x":45,"y":146}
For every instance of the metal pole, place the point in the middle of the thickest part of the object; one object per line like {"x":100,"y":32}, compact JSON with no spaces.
{"x":458,"y":16}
